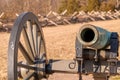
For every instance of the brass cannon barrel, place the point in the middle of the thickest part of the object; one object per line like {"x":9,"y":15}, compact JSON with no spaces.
{"x":93,"y":36}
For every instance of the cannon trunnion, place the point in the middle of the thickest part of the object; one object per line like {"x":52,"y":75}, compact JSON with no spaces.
{"x":96,"y":52}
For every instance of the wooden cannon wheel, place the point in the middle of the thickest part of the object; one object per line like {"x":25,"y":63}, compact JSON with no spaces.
{"x":26,"y":50}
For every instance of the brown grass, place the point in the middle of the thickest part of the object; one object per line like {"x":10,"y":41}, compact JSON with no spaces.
{"x":60,"y":43}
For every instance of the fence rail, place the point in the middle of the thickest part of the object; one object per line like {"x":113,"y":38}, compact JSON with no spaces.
{"x":55,"y":19}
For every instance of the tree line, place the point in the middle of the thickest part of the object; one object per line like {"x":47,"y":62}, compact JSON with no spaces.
{"x":88,"y":5}
{"x":11,"y":7}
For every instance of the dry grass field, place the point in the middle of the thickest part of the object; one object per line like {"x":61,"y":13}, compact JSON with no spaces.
{"x":60,"y":43}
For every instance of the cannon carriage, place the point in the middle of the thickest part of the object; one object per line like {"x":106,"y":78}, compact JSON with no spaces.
{"x":96,"y":52}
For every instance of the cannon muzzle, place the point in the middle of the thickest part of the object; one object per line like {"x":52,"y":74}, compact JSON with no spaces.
{"x":93,"y":36}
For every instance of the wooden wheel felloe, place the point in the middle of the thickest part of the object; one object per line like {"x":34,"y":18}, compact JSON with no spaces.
{"x":26,"y":50}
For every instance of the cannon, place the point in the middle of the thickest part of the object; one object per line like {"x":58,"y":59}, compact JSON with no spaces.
{"x":93,"y":39}
{"x":96,"y":52}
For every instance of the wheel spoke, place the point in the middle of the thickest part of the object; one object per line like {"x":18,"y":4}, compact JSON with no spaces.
{"x":29,"y":67}
{"x":30,"y":76}
{"x":25,"y":54}
{"x":42,"y":49}
{"x":39,"y":44}
{"x":42,"y":56}
{"x":30,"y":36}
{"x":27,"y":42}
{"x":25,"y":66}
{"x":35,"y":36}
